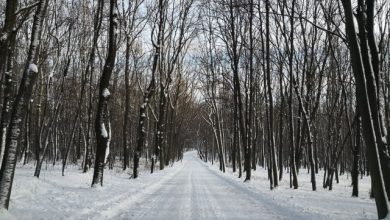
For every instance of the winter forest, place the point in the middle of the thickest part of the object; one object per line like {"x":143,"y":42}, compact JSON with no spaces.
{"x":194,"y":109}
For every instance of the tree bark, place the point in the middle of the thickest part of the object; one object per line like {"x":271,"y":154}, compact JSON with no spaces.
{"x":18,"y":114}
{"x":270,"y":100}
{"x":102,"y":122}
{"x":293,"y":167}
{"x":363,"y":102}
{"x":89,"y":72}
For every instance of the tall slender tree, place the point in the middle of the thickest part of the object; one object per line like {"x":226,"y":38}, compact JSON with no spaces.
{"x":18,"y":111}
{"x":102,"y":121}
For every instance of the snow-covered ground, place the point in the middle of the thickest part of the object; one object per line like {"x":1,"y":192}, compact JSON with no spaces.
{"x":54,"y":196}
{"x":320,"y":204}
{"x":191,"y":189}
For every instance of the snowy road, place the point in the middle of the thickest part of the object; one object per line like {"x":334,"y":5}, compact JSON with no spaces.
{"x":190,"y":189}
{"x":197,"y":192}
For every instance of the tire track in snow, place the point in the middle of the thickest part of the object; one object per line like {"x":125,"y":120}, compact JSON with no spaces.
{"x":200,"y":196}
{"x":263,"y":202}
{"x":109,"y":208}
{"x":198,"y":192}
{"x":194,"y":191}
{"x":163,"y":203}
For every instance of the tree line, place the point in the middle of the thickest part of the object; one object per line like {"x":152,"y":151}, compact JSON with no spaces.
{"x":94,"y":84}
{"x":297,"y":85}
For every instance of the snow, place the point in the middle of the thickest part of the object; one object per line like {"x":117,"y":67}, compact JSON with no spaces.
{"x":107,"y":152}
{"x":108,"y":143}
{"x":106,"y":93}
{"x":103,"y":131}
{"x":190,"y":189}
{"x":384,"y":140}
{"x":54,"y":196}
{"x":5,"y":215}
{"x":33,"y":68}
{"x":2,"y":146}
{"x":320,"y":204}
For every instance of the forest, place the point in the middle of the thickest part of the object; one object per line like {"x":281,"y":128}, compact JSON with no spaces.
{"x":289,"y":87}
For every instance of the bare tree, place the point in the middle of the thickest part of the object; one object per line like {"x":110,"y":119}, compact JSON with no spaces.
{"x":18,"y":111}
{"x":102,"y":122}
{"x":366,"y":97}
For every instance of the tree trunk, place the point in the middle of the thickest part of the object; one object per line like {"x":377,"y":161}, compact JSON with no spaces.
{"x":126,"y":117}
{"x":356,"y":159}
{"x":270,"y":100}
{"x":149,"y":92}
{"x":293,"y":168}
{"x":102,"y":122}
{"x":363,"y":102}
{"x":89,"y":72}
{"x":280,"y":155}
{"x":18,"y":112}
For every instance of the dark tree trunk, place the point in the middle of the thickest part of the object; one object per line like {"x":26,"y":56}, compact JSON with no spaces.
{"x":27,"y":135}
{"x":309,"y":138}
{"x":8,"y":92}
{"x":148,"y":93}
{"x":356,"y":158}
{"x":270,"y":100}
{"x":280,"y":155}
{"x":126,"y":117}
{"x":89,"y":72}
{"x":363,"y":102}
{"x":7,"y":55}
{"x":18,"y":112}
{"x":102,"y":122}
{"x":235,"y":58}
{"x":50,"y":124}
{"x":160,"y":126}
{"x":293,"y":168}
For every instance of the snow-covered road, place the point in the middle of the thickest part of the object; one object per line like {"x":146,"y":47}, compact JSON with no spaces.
{"x":198,"y":192}
{"x":190,"y":189}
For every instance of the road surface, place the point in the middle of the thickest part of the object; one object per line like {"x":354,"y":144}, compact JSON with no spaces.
{"x":198,"y":192}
